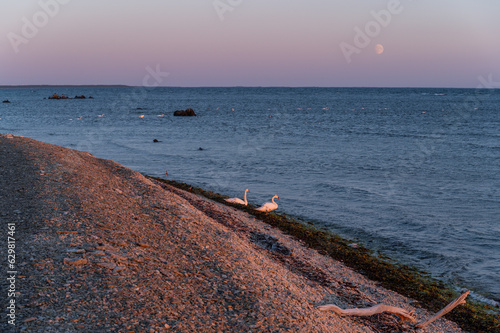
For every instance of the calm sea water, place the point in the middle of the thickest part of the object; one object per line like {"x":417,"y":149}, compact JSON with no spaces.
{"x":412,"y":173}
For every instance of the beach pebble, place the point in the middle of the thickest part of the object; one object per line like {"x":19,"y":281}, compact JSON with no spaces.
{"x":108,"y":265}
{"x":118,"y":269}
{"x":75,"y":251}
{"x":75,"y":262}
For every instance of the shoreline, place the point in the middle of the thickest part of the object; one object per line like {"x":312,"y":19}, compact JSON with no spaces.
{"x":402,"y":278}
{"x":309,"y":223}
{"x":176,"y":259}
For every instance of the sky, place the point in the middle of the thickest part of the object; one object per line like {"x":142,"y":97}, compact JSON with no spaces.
{"x":326,"y":43}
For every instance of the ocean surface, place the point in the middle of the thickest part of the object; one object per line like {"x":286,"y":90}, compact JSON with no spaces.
{"x":413,"y":174}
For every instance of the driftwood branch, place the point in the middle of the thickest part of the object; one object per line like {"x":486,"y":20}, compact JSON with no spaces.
{"x":379,"y":308}
{"x":445,"y":310}
{"x":401,"y":313}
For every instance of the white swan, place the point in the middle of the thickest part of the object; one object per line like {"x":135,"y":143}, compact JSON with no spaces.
{"x":269,"y":206}
{"x":238,"y":200}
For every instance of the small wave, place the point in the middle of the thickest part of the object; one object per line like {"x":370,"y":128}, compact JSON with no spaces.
{"x":485,"y":300}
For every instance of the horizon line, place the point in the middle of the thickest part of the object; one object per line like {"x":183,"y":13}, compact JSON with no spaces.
{"x":13,"y":86}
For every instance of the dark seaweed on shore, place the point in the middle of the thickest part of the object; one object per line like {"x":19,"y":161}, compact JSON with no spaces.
{"x":431,"y":294}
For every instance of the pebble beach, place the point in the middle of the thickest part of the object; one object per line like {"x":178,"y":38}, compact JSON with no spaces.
{"x":102,"y":248}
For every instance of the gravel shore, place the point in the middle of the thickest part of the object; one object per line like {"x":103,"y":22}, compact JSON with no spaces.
{"x":101,"y":248}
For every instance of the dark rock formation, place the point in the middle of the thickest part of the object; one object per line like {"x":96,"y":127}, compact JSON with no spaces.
{"x":6,"y":101}
{"x":185,"y":113}
{"x":56,"y":96}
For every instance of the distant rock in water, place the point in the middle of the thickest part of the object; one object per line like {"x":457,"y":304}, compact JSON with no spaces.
{"x":6,"y":101}
{"x":56,"y":96}
{"x":185,"y":113}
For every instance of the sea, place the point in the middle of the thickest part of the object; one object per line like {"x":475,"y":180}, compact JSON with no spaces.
{"x":410,"y":173}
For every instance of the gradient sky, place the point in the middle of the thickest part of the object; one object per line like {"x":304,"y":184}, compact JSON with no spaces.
{"x":445,"y":43}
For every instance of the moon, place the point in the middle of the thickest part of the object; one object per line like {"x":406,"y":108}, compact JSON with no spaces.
{"x":379,"y":49}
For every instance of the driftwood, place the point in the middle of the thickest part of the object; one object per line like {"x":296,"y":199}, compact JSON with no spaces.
{"x":401,"y":313}
{"x":448,"y":308}
{"x":379,"y":308}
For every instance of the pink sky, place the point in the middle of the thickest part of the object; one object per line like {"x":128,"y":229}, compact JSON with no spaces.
{"x":250,"y":43}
